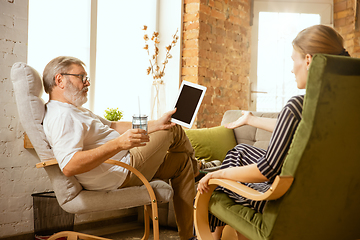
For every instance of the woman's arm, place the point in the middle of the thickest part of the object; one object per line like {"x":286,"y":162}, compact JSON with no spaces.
{"x":249,"y":173}
{"x":248,"y":118}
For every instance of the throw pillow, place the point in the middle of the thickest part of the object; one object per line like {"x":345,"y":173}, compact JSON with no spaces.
{"x":211,"y":143}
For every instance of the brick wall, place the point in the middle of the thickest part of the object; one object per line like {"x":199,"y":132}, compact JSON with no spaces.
{"x":345,"y":24}
{"x":216,"y":54}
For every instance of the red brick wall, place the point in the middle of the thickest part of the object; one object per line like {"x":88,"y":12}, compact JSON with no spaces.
{"x":216,"y":54}
{"x":344,"y":23}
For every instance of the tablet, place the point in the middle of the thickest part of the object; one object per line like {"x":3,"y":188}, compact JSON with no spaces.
{"x":188,"y":103}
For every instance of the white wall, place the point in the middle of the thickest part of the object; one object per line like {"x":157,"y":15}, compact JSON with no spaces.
{"x":18,"y":176}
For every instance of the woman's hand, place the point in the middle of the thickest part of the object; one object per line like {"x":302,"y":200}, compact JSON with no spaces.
{"x":203,"y":183}
{"x":243,"y":120}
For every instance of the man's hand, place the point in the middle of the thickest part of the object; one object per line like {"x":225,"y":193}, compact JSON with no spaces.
{"x":162,"y":123}
{"x":133,"y":138}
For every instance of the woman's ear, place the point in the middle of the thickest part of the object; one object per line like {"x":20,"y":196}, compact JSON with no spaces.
{"x":59,"y":81}
{"x":308,"y":59}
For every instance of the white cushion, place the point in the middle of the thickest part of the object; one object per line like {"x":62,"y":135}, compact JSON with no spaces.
{"x":28,"y":88}
{"x":31,"y":108}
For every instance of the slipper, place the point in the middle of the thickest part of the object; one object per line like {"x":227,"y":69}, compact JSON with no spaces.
{"x":210,"y":164}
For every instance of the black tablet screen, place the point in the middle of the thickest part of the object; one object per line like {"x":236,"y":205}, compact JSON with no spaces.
{"x":187,"y":103}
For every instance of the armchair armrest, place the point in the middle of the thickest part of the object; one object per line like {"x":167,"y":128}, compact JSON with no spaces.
{"x":278,"y":188}
{"x":46,"y":163}
{"x":201,"y":205}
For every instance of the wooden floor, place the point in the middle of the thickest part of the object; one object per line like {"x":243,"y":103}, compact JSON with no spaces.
{"x":134,"y":230}
{"x":136,"y":234}
{"x":131,"y":231}
{"x":165,"y":234}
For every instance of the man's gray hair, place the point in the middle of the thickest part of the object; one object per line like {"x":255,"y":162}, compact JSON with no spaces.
{"x":58,"y":65}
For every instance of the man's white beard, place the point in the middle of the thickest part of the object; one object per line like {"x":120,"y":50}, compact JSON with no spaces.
{"x":74,"y":95}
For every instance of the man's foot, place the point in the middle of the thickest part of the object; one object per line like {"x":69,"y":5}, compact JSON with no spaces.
{"x":206,"y":167}
{"x":212,"y":165}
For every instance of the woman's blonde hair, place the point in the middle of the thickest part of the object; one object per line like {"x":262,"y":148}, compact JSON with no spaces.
{"x":319,"y":39}
{"x":58,"y":65}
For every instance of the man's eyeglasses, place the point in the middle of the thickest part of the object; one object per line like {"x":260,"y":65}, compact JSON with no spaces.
{"x":83,"y":77}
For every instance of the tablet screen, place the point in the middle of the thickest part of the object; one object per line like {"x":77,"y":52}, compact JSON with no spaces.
{"x":188,"y":103}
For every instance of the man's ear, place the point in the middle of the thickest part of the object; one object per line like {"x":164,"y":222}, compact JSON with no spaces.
{"x":59,"y":81}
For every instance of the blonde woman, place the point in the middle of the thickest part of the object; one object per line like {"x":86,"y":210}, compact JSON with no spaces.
{"x":256,"y":167}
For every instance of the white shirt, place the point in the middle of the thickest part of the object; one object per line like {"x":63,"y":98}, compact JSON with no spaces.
{"x":70,"y":129}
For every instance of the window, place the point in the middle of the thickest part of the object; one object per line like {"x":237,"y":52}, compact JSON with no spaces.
{"x":56,"y":29}
{"x":275,"y":26}
{"x":276,"y":32}
{"x":114,"y":54}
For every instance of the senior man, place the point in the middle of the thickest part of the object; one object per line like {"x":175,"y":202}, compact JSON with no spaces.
{"x":82,"y":141}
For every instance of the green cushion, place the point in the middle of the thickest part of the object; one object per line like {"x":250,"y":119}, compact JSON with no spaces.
{"x":211,"y":143}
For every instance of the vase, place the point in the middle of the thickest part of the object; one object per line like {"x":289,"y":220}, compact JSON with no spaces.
{"x":158,"y":99}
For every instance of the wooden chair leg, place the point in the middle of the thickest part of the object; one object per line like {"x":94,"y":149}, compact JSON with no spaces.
{"x":150,"y":191}
{"x":75,"y":236}
{"x":151,"y":212}
{"x":67,"y":234}
{"x":155,"y":219}
{"x":146,"y":222}
{"x":201,"y":214}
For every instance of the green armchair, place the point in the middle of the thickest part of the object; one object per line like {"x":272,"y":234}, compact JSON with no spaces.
{"x":323,"y":200}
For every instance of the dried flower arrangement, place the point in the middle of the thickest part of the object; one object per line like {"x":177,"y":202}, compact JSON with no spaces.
{"x":156,"y":71}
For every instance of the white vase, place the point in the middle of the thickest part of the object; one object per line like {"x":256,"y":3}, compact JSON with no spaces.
{"x":157,"y":100}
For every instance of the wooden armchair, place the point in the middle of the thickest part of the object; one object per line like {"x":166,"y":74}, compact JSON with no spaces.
{"x":69,"y":193}
{"x":317,"y":193}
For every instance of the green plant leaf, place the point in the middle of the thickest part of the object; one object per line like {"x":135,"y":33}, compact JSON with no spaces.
{"x":113,"y":114}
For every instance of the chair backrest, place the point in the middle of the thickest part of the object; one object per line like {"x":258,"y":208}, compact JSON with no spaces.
{"x":31,"y":108}
{"x":323,"y":202}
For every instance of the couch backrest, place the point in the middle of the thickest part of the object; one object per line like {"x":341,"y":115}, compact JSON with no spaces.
{"x":31,"y":108}
{"x":248,"y":134}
